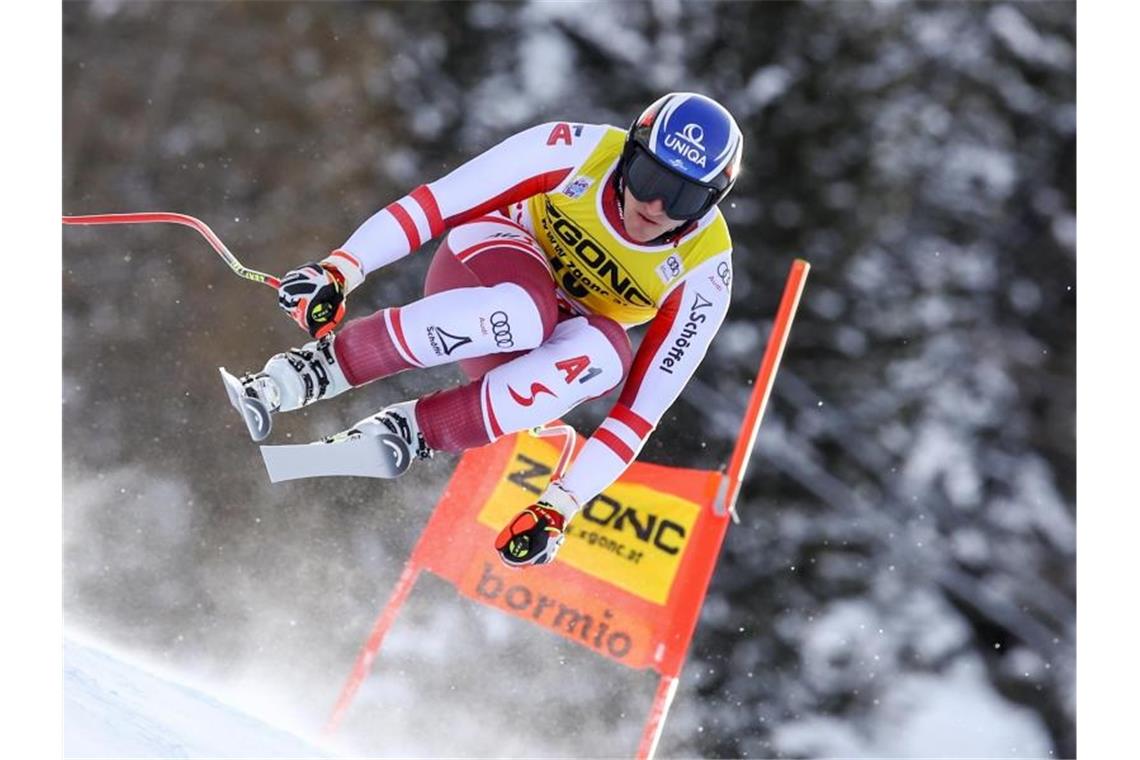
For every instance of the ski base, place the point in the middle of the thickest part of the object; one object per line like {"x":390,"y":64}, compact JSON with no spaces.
{"x":366,"y":456}
{"x":257,"y":417}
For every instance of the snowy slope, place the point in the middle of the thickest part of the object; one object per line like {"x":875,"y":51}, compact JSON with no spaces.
{"x":113,"y":708}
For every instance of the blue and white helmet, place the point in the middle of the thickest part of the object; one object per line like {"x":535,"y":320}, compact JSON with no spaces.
{"x":697,"y":140}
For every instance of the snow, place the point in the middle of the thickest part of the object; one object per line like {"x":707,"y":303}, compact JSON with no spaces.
{"x":767,"y":85}
{"x":952,"y":714}
{"x":115,"y":708}
{"x":1012,"y":28}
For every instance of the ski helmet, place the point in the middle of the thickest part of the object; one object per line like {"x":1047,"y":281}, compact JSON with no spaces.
{"x":684,"y":149}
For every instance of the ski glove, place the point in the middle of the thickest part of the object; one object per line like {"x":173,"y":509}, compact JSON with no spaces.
{"x":313,"y":294}
{"x":534,"y":536}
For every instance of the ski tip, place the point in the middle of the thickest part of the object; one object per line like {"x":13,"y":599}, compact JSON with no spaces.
{"x":228,"y":378}
{"x":232,"y":386}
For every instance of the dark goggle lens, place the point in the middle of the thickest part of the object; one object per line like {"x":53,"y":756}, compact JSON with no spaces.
{"x":649,"y":180}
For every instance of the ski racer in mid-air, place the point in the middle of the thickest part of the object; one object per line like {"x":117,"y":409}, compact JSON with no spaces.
{"x":559,"y":240}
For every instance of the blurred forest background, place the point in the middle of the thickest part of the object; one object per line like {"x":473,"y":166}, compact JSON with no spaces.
{"x":902,"y":582}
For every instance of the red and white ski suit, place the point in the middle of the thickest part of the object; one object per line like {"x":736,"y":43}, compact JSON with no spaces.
{"x":532,"y":293}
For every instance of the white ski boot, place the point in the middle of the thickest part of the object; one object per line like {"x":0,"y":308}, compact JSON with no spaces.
{"x":399,"y":420}
{"x":290,"y":380}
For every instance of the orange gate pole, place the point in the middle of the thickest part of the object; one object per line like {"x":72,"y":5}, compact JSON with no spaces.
{"x":662,"y":700}
{"x":745,"y":441}
{"x":765,"y":378}
{"x":368,"y":652}
{"x":408,"y":577}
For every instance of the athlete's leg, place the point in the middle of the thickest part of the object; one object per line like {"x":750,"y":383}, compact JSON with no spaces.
{"x":584,"y":358}
{"x":499,"y":299}
{"x":447,"y":272}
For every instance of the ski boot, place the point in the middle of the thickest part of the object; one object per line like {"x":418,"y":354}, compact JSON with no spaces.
{"x":290,"y":380}
{"x":398,"y":420}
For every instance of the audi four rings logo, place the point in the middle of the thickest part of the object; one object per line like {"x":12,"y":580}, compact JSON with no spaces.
{"x":501,"y":329}
{"x":724,"y":273}
{"x":694,"y":133}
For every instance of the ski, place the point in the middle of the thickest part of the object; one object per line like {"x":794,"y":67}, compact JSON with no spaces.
{"x":361,"y":455}
{"x":253,"y":411}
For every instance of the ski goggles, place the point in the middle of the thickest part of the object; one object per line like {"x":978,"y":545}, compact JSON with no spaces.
{"x":649,"y":180}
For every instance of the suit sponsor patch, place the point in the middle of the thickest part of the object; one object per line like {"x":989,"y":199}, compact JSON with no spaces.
{"x":669,"y":269}
{"x":579,"y":186}
{"x":689,"y":330}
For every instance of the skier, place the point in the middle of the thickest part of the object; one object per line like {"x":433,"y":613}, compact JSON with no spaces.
{"x":560,"y":239}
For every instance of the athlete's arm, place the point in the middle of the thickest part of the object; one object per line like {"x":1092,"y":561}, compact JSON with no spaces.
{"x":534,"y":161}
{"x":673,"y":348}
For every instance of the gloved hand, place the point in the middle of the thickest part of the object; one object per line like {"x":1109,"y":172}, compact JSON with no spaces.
{"x":534,"y":536}
{"x":313,"y":294}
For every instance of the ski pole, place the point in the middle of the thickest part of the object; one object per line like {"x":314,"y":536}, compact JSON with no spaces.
{"x":569,"y":438}
{"x":172,"y":218}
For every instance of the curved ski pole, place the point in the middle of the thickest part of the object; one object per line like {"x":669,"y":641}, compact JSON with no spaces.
{"x":570,"y":438}
{"x":168,"y":217}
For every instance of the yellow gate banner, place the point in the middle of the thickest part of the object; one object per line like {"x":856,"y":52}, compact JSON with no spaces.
{"x":622,"y":584}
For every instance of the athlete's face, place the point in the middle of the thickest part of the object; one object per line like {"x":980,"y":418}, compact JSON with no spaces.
{"x":646,"y":221}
